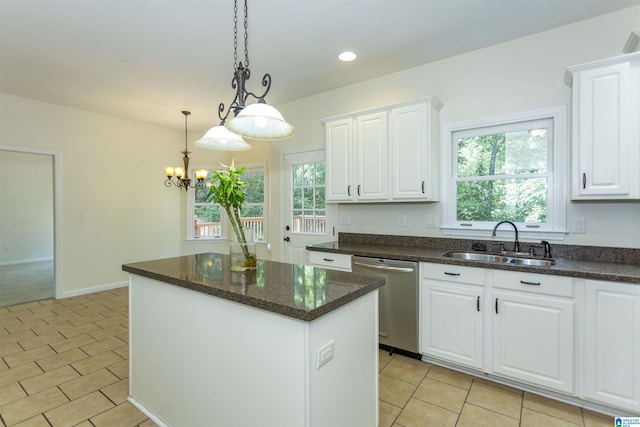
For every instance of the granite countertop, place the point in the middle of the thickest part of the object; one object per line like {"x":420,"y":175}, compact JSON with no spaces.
{"x":297,"y":291}
{"x":433,"y":250}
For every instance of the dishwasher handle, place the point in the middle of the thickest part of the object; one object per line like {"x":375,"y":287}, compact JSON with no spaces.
{"x":384,"y":267}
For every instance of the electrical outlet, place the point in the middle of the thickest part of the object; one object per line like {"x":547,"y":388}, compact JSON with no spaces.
{"x":579,"y":225}
{"x":431,"y":222}
{"x":83,"y":217}
{"x":402,"y":220}
{"x":324,"y":355}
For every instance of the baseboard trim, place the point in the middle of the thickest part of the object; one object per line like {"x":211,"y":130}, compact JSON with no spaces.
{"x":25,"y":261}
{"x":145,"y":411}
{"x":85,"y":291}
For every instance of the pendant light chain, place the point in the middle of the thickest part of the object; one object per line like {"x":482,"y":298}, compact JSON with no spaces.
{"x":235,"y":34}
{"x":246,"y":36}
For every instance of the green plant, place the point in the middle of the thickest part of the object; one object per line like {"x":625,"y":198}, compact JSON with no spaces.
{"x":226,"y":190}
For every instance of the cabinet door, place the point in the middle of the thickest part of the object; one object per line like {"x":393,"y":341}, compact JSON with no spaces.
{"x":371,"y":156}
{"x":606,"y":109}
{"x":612,"y":344}
{"x":408,"y":144}
{"x":339,"y":158}
{"x":533,"y":339}
{"x":451,"y":322}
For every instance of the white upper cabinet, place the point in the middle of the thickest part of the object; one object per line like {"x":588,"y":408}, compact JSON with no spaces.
{"x":390,"y":147}
{"x":606,"y":129}
{"x":371,"y":157}
{"x":414,"y":151}
{"x":339,"y":152}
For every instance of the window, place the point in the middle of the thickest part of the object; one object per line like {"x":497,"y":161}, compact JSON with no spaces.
{"x":508,"y":168}
{"x":210,"y":223}
{"x":308,"y":209}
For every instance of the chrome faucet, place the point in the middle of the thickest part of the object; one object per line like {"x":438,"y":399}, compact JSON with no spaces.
{"x":516,"y":247}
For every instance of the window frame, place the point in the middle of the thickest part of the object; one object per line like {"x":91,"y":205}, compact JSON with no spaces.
{"x":225,"y":233}
{"x":555,"y":227}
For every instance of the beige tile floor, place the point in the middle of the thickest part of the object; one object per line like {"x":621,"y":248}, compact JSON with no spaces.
{"x":417,"y":394}
{"x":64,"y":363}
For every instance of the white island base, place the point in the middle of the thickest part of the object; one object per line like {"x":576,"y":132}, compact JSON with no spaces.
{"x":201,"y":361}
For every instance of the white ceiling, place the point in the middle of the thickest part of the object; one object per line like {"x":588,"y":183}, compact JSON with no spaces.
{"x":146,"y":60}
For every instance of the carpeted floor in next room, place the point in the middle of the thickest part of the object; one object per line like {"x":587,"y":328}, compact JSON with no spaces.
{"x":26,"y":282}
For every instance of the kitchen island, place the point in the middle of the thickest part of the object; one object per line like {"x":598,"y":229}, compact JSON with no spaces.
{"x":284,"y":345}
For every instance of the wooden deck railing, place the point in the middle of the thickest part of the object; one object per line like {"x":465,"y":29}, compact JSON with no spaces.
{"x":214,"y":229}
{"x":301,"y":223}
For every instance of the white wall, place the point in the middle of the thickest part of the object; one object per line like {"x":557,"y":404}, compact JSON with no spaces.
{"x":111,"y":170}
{"x":519,"y":75}
{"x":26,"y":207}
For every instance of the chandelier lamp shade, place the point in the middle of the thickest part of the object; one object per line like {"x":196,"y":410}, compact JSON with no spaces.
{"x":259,"y":120}
{"x":182,"y":173}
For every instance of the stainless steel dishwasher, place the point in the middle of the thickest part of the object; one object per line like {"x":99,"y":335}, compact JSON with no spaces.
{"x":398,"y":301}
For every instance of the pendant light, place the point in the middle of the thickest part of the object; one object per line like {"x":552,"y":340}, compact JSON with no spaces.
{"x":256,"y":121}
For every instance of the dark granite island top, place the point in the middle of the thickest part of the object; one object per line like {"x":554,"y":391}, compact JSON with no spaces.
{"x":301,"y":292}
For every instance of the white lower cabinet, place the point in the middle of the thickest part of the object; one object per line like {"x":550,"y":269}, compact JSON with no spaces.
{"x":523,"y":323}
{"x":612,"y":344}
{"x":533,"y":329}
{"x":452,"y":322}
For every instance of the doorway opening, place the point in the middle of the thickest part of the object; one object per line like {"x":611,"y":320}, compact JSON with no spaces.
{"x":28,"y":221}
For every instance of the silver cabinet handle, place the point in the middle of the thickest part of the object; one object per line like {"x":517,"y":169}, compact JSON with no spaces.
{"x":384,"y":267}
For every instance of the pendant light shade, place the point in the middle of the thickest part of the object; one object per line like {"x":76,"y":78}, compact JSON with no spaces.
{"x":261,"y":121}
{"x":221,"y":138}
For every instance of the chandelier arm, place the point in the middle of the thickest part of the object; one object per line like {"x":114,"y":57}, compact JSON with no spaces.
{"x":222,"y":118}
{"x":266,"y":82}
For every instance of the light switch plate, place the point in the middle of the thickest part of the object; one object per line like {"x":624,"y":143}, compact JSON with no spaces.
{"x":579,"y":225}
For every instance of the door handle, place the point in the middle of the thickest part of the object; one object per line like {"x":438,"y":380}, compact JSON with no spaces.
{"x":287,"y":239}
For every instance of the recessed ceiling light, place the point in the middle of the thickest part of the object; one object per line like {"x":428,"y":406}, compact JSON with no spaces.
{"x":347,"y":56}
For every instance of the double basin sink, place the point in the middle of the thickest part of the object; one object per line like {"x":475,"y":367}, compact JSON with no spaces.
{"x":500,"y":259}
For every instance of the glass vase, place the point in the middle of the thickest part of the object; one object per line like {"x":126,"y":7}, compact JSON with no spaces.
{"x":242,"y":260}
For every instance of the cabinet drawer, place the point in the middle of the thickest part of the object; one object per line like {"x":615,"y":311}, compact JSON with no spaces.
{"x":330,"y":260}
{"x":453,"y":273}
{"x":531,"y":282}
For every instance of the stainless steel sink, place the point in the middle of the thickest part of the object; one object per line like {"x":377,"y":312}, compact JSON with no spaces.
{"x":500,"y":259}
{"x":475,"y":256}
{"x":535,"y":262}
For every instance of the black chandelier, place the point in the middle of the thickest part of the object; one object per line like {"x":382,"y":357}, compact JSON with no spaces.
{"x":257,"y":121}
{"x":182,"y":174}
